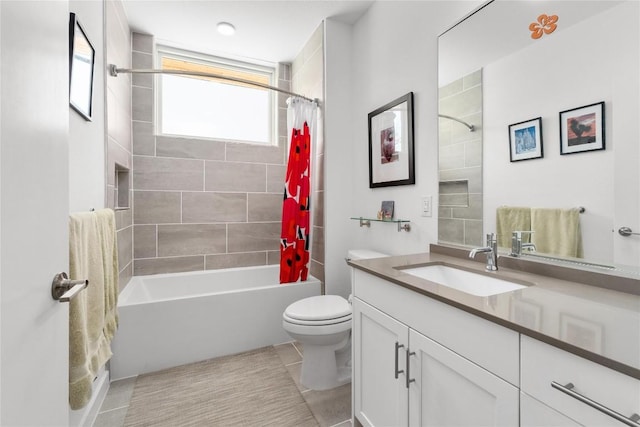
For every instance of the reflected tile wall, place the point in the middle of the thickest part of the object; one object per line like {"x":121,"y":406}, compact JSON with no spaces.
{"x":460,"y":162}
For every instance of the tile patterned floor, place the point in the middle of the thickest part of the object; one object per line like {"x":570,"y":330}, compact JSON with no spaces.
{"x":331,"y":408}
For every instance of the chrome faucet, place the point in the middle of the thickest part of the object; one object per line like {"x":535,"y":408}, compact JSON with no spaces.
{"x":516,"y":243}
{"x":491,"y":250}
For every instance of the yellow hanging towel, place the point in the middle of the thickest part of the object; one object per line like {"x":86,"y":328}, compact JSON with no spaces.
{"x":557,"y":232}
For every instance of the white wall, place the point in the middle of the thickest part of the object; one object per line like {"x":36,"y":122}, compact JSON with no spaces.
{"x":582,"y":179}
{"x":390,"y":51}
{"x":87,"y":138}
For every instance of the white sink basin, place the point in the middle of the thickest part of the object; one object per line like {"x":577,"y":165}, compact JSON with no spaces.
{"x":465,"y":281}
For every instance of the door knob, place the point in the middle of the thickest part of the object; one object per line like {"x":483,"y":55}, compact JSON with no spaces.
{"x":626,"y":231}
{"x":64,"y":289}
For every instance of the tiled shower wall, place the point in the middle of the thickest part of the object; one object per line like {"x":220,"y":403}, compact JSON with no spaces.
{"x":308,"y":80}
{"x":460,"y":162}
{"x":118,"y":99}
{"x":202,"y":204}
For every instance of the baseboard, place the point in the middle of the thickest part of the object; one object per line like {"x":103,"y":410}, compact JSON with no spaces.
{"x":86,"y":416}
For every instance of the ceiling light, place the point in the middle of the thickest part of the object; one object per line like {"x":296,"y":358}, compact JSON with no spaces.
{"x":226,"y":29}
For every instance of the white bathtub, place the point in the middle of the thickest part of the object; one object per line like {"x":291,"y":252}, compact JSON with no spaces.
{"x":169,"y":320}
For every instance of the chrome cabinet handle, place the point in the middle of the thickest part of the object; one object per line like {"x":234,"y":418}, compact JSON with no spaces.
{"x":396,"y":371}
{"x":409,"y":380}
{"x":632,"y":421}
{"x":63,"y":289}
{"x":626,"y":232}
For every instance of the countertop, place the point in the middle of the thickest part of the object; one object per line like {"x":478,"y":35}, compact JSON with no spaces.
{"x":599,"y":324}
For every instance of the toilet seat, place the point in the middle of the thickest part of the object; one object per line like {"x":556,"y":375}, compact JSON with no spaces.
{"x":316,"y":322}
{"x":318,"y":310}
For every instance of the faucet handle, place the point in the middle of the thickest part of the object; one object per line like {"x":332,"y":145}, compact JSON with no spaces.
{"x":491,"y":239}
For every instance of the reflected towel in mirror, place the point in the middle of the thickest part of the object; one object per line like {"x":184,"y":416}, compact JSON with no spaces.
{"x":557,"y":231}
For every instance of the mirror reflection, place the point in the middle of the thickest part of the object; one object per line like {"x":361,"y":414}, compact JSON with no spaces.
{"x":574,"y":182}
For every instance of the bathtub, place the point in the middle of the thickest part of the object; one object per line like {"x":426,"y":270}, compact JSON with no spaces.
{"x":168,"y":320}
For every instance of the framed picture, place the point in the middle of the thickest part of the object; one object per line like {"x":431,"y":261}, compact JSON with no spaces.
{"x":391,"y":159}
{"x":525,"y":140}
{"x":81,"y":63}
{"x":582,"y":129}
{"x":386,"y":209}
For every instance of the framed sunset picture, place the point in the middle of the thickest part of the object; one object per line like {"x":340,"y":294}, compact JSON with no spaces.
{"x":582,"y":129}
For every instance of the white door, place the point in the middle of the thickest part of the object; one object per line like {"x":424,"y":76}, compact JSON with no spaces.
{"x":34,"y":121}
{"x":449,"y":390}
{"x":380,"y":393}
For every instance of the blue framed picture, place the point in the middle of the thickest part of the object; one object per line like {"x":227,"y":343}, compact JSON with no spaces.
{"x":525,"y":140}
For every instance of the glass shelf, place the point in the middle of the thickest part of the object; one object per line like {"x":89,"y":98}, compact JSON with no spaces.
{"x":403,"y":224}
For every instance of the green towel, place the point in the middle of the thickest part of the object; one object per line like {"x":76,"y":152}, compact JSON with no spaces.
{"x":510,"y":219}
{"x":557,"y":232}
{"x":92,"y":313}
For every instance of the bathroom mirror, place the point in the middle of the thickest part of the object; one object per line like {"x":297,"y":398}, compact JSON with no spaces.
{"x":494,"y":74}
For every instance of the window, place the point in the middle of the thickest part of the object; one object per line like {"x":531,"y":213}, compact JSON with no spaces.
{"x":208,"y":107}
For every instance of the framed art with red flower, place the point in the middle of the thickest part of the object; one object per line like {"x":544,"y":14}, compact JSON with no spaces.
{"x":582,"y":129}
{"x":391,"y":159}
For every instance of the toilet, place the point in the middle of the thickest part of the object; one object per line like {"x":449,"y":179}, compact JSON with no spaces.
{"x":323,"y":325}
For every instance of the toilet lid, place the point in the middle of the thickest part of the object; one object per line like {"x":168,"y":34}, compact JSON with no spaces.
{"x":322,"y":307}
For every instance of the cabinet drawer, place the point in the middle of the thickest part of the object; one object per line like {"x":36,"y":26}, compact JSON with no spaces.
{"x":543,"y":364}
{"x":487,"y":344}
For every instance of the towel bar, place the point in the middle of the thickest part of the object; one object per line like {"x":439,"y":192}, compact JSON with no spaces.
{"x":64,"y":289}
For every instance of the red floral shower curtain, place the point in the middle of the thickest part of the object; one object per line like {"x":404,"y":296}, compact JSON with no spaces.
{"x":296,"y":213}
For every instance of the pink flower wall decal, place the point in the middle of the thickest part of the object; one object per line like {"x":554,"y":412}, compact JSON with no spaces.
{"x":546,"y":25}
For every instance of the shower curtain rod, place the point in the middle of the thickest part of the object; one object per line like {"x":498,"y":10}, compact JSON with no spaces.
{"x":113,"y":71}
{"x":471,"y":127}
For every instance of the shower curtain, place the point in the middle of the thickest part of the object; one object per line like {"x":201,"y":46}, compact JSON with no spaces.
{"x":296,"y":206}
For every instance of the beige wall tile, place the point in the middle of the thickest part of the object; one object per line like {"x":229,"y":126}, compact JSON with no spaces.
{"x":317,"y":207}
{"x":145,"y":243}
{"x":142,"y":103}
{"x":156,"y":207}
{"x":203,"y":207}
{"x":273,"y":257}
{"x":473,"y":233}
{"x":142,"y":42}
{"x":155,"y":173}
{"x":125,"y":275}
{"x":124,"y":218}
{"x":252,"y":153}
{"x":143,"y":61}
{"x":191,"y":239}
{"x":275,"y":178}
{"x":214,"y":262}
{"x":142,"y":267}
{"x":264,"y":207}
{"x":226,"y":176}
{"x":125,"y":247}
{"x":254,"y":237}
{"x":144,"y":142}
{"x":317,"y":244}
{"x":189,"y":148}
{"x":317,"y":174}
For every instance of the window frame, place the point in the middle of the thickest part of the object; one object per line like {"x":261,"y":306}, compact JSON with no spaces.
{"x":264,"y":68}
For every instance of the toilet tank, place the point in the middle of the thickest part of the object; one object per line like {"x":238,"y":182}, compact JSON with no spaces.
{"x":356,"y":254}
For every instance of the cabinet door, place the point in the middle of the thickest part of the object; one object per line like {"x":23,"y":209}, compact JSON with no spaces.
{"x":535,"y":414}
{"x":449,"y":390}
{"x":379,"y":344}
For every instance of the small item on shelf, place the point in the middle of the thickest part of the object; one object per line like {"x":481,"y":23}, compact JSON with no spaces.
{"x":387,"y":209}
{"x":380,"y":215}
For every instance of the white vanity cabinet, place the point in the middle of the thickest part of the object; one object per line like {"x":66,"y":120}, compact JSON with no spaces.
{"x":547,"y":371}
{"x":403,"y":375}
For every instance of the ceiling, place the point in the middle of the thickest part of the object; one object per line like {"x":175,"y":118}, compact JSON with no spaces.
{"x":269,"y":31}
